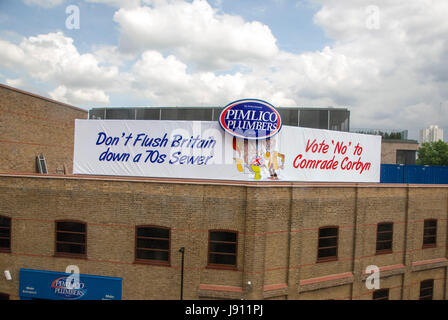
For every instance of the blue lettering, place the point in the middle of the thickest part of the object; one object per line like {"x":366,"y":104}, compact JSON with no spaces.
{"x":111,"y":156}
{"x":176,"y":140}
{"x":177,"y":157}
{"x":101,"y":135}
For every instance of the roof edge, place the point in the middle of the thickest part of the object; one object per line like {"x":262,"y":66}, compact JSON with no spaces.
{"x":262,"y":184}
{"x":42,"y":97}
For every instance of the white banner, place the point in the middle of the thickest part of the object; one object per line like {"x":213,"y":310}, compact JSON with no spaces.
{"x":202,"y":150}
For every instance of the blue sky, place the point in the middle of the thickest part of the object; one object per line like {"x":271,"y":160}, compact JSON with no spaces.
{"x":291,"y":22}
{"x":385,"y":62}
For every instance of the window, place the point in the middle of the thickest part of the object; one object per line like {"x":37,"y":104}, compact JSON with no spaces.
{"x":4,"y":296}
{"x":426,"y":289}
{"x":384,"y":235}
{"x":71,"y":238}
{"x":381,"y":294}
{"x":328,"y":244}
{"x":429,"y":233}
{"x":152,"y":245}
{"x":290,"y":117}
{"x":339,"y":120}
{"x":222,"y":249}
{"x":41,"y":164}
{"x":5,"y":234}
{"x":406,"y":156}
{"x":313,"y":118}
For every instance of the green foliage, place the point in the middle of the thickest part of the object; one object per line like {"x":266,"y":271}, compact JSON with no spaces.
{"x":384,"y":135}
{"x":392,"y":135}
{"x":433,"y":153}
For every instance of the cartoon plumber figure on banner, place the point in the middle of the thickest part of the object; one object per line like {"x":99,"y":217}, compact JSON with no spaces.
{"x":258,"y":158}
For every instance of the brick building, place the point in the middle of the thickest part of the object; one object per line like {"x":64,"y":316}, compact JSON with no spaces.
{"x":399,"y":151}
{"x":31,"y":125}
{"x":242,"y":240}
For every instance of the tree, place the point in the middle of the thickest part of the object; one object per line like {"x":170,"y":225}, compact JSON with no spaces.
{"x":433,"y":153}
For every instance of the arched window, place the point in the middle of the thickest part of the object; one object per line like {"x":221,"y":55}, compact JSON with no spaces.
{"x":327,"y":244}
{"x":380,"y":294}
{"x":5,"y":234}
{"x":384,"y":237}
{"x":152,"y":245}
{"x":4,"y":296}
{"x":71,"y":238}
{"x":429,"y":233}
{"x":426,"y":289}
{"x":222,"y":249}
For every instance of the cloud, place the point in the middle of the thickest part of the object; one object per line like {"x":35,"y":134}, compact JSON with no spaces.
{"x":165,"y":81}
{"x":80,"y":96}
{"x":53,"y":59}
{"x":43,"y":3}
{"x":390,"y":75}
{"x":15,"y":82}
{"x":400,"y":66}
{"x":119,"y":3}
{"x":195,"y":33}
{"x":110,"y":55}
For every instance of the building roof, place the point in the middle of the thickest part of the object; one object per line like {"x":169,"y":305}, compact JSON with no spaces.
{"x":399,"y":141}
{"x":41,"y":97}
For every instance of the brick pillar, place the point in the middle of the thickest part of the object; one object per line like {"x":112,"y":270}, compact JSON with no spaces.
{"x":358,"y":243}
{"x":295,"y":239}
{"x":408,"y":245}
{"x":254,"y":245}
{"x":445,"y":297}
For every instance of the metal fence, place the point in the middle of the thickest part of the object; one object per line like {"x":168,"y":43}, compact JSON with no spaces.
{"x":320,"y":118}
{"x":406,"y":173}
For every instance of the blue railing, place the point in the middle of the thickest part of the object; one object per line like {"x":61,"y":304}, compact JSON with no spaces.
{"x":399,"y":173}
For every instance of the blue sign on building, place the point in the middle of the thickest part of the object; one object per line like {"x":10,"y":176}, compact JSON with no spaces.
{"x":39,"y":284}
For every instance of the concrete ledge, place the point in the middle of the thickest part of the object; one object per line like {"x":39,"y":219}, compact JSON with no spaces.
{"x":220,"y":291}
{"x":265,"y":184}
{"x":275,"y":290}
{"x":429,"y":264}
{"x":325,"y":282}
{"x":387,"y":271}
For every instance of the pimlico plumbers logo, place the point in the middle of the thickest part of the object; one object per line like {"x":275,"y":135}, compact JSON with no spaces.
{"x":253,"y":123}
{"x":251,"y":119}
{"x":63,"y":289}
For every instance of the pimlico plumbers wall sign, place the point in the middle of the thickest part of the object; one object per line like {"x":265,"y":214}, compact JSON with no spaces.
{"x":203,"y":150}
{"x":41,"y":284}
{"x":250,"y":119}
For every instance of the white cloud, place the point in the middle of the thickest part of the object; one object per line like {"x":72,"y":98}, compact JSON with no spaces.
{"x":15,"y":82}
{"x":54,"y":59}
{"x":165,"y":81}
{"x":111,"y":56}
{"x":11,"y":54}
{"x":80,"y":96}
{"x":173,"y":52}
{"x":44,"y":3}
{"x":118,"y":3}
{"x":400,"y":66}
{"x":195,"y":33}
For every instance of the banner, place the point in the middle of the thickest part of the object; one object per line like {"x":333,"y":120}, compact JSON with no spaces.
{"x":203,"y":150}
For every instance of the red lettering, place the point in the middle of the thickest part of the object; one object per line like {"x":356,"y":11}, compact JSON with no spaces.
{"x":308,"y":146}
{"x":297,"y":158}
{"x":340,"y":148}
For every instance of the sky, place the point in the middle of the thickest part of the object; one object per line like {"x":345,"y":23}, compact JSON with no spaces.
{"x":386,"y":61}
